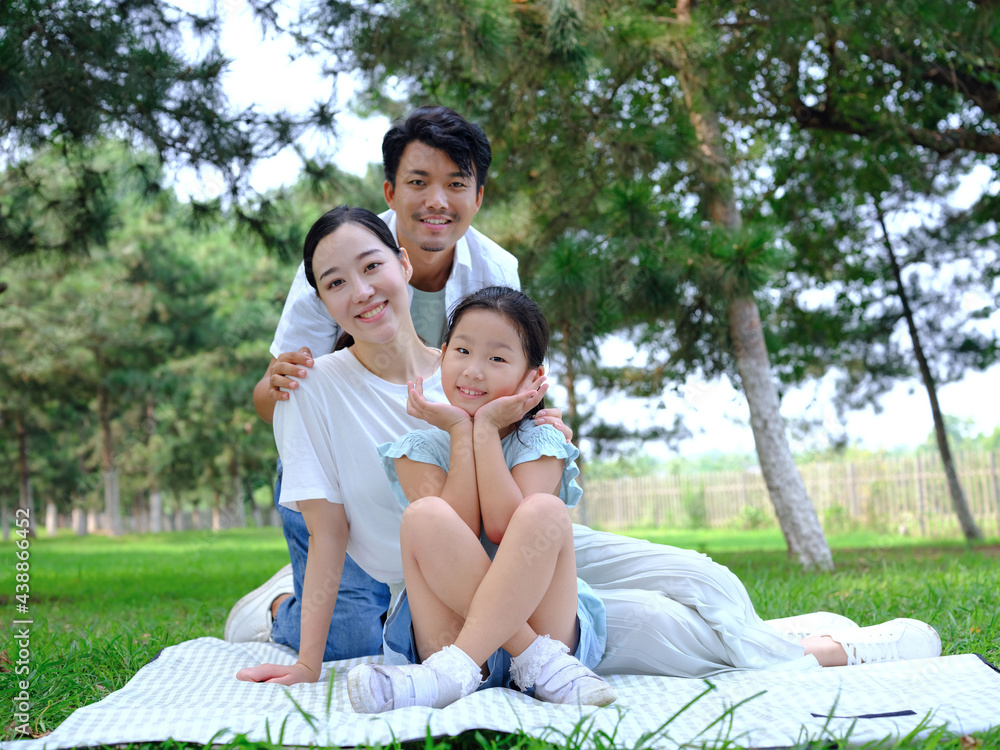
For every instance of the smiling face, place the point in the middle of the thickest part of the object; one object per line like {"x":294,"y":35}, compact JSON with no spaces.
{"x":362,"y":283}
{"x":484,"y":360}
{"x":434,"y":202}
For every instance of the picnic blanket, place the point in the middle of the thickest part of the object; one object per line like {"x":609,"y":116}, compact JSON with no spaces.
{"x":189,"y":693}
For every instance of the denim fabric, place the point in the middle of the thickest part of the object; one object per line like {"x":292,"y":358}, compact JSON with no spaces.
{"x":356,"y":629}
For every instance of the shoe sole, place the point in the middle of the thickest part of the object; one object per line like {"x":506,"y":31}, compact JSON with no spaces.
{"x":929,"y":630}
{"x":601,"y":696}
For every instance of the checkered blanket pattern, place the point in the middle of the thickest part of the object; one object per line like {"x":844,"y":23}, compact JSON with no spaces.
{"x":189,"y":693}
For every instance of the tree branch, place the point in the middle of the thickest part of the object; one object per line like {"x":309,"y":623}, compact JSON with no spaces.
{"x":980,"y":92}
{"x":940,"y":141}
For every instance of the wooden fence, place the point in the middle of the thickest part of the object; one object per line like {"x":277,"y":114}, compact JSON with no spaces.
{"x":905,"y":495}
{"x":899,"y":495}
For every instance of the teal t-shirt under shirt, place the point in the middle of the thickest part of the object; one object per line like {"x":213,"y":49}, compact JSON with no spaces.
{"x":428,"y":312}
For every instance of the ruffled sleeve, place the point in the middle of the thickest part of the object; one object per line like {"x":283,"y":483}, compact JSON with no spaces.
{"x":532,"y":441}
{"x":424,"y":446}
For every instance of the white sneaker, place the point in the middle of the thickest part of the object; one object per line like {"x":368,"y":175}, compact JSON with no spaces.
{"x":559,"y":677}
{"x":895,"y":640}
{"x":810,"y":624}
{"x":250,"y":618}
{"x":441,"y":680}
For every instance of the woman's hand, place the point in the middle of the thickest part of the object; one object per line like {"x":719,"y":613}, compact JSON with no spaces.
{"x":443,"y":416}
{"x":278,"y":674}
{"x":508,"y":410}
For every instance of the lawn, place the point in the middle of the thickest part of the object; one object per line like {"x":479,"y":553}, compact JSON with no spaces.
{"x":103,"y":607}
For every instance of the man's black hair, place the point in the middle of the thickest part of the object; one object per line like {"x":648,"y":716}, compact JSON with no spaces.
{"x":439,"y":127}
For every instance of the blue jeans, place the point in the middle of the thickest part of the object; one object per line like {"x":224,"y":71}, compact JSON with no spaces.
{"x":356,"y":629}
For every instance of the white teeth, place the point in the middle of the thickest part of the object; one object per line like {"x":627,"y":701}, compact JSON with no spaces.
{"x":373,"y":313}
{"x":467,"y":392}
{"x":436,"y":221}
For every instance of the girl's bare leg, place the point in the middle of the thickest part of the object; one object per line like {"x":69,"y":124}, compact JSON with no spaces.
{"x":529,"y":588}
{"x":443,"y":562}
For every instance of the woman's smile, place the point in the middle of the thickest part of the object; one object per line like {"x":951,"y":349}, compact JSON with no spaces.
{"x":373,"y":312}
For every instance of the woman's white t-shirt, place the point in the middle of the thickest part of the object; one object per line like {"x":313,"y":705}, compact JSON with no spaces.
{"x":327,"y":434}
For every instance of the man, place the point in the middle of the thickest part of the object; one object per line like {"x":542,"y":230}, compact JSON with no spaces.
{"x":435,"y":165}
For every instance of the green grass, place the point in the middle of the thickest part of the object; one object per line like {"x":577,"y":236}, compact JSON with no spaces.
{"x":103,"y":607}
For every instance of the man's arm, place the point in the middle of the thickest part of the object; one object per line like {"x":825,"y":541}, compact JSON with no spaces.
{"x":305,"y":322}
{"x":279,"y":374}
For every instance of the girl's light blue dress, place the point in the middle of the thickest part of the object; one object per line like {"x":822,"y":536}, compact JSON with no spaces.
{"x":528,"y":443}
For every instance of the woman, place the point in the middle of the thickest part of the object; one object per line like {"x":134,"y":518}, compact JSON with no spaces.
{"x":353,"y":399}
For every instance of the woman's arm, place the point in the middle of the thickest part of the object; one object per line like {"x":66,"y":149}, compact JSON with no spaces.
{"x":328,"y":533}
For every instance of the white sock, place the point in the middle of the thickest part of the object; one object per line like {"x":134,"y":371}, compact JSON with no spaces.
{"x":528,"y":665}
{"x":460,"y":675}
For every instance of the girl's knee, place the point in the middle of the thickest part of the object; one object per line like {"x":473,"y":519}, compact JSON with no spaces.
{"x":426,"y":511}
{"x":545,"y":511}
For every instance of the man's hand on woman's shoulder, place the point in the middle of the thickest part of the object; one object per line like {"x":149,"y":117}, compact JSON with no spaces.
{"x":287,"y":366}
{"x":281,"y":373}
{"x":554,"y":418}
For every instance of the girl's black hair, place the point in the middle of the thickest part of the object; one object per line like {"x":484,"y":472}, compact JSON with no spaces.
{"x":329,"y":223}
{"x":522,"y":312}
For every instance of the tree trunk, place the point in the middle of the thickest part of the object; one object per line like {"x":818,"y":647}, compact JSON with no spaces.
{"x":958,"y":501}
{"x":794,"y":509}
{"x":79,"y":521}
{"x":237,"y":512}
{"x":155,"y":497}
{"x":569,"y":383}
{"x":112,"y":497}
{"x":51,"y":519}
{"x":573,"y":412}
{"x":155,"y":511}
{"x":216,"y":512}
{"x":26,"y":499}
{"x":140,"y":512}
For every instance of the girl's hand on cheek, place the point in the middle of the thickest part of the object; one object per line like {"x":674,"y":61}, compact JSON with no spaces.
{"x":508,"y":410}
{"x":443,"y":416}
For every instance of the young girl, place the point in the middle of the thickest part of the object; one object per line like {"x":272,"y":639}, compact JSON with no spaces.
{"x":486,"y":538}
